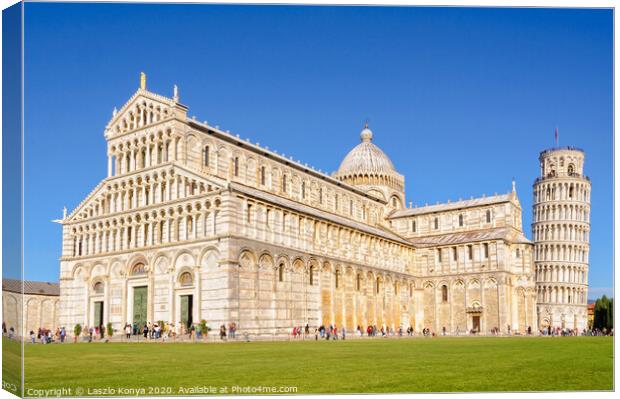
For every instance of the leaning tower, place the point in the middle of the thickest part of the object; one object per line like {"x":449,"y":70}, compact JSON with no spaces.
{"x":561,"y":234}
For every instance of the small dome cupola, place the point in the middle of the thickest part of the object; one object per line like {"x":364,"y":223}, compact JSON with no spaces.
{"x":369,"y":168}
{"x":366,"y":134}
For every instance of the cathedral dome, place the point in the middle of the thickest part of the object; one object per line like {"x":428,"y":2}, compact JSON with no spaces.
{"x":366,"y":158}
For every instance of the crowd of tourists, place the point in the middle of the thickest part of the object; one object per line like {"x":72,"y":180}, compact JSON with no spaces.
{"x":164,"y":331}
{"x":569,"y":332}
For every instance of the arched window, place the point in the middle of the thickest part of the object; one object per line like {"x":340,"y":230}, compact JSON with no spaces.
{"x":358,"y":284}
{"x":138,"y":269}
{"x":206,"y":156}
{"x":190,"y":225}
{"x":236,"y":166}
{"x":281,"y":273}
{"x":436,"y":223}
{"x":98,"y":287}
{"x":337,"y":278}
{"x":262,"y":175}
{"x":571,"y":169}
{"x":460,"y":220}
{"x":486,"y":250}
{"x":303,"y":189}
{"x":283,"y":183}
{"x":413,"y":226}
{"x":378,"y":285}
{"x":312,"y":275}
{"x":488,"y":216}
{"x":444,"y":293}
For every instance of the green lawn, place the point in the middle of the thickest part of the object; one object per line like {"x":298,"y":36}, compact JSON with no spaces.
{"x":354,"y":366}
{"x":11,"y":366}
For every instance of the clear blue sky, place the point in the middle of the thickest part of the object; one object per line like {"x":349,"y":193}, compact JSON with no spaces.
{"x":462,"y":100}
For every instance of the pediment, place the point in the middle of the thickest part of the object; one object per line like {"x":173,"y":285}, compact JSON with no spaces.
{"x":144,"y":108}
{"x":92,"y":205}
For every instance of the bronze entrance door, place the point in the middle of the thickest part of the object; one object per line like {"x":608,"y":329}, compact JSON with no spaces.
{"x":476,"y":323}
{"x":140,"y":302}
{"x":187,"y":310}
{"x":98,"y":320}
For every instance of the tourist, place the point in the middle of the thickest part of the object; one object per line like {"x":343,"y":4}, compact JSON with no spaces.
{"x":145,"y":331}
{"x":33,"y":337}
{"x":344,"y":333}
{"x":128,"y":331}
{"x":63,"y":335}
{"x":223,"y":332}
{"x":11,"y":332}
{"x":307,"y":330}
{"x":3,"y":329}
{"x":316,"y":334}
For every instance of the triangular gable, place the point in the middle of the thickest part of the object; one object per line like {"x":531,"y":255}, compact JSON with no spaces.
{"x":142,"y":109}
{"x":101,"y":189}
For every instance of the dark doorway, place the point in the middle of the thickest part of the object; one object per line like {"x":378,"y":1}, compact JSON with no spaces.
{"x":140,"y":302}
{"x":187,"y":302}
{"x":98,"y":314}
{"x":476,"y":323}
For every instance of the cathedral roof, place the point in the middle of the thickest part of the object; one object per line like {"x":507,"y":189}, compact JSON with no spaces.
{"x":500,"y":233}
{"x":366,"y":158}
{"x":31,"y":287}
{"x":300,"y":207}
{"x":482,"y":201}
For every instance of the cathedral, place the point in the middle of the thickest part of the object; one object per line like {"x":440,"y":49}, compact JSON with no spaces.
{"x":194,"y":223}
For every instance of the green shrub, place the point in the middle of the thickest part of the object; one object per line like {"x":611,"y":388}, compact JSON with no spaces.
{"x":109,"y":329}
{"x":77,"y":330}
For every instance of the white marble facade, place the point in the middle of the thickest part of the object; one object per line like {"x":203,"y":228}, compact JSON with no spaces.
{"x":192,"y":220}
